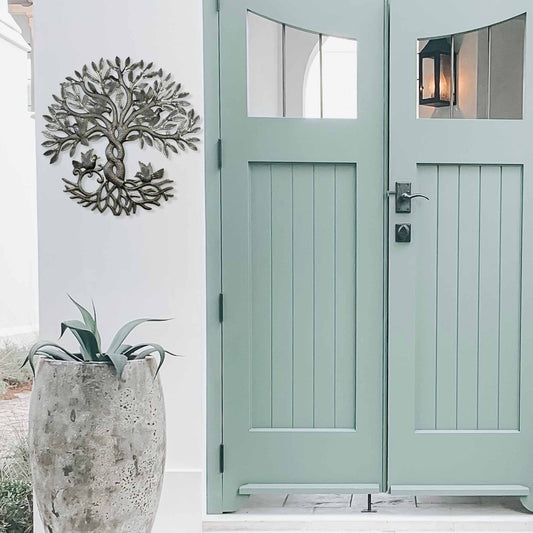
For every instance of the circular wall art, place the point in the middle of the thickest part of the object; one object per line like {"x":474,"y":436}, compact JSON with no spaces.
{"x":119,"y":102}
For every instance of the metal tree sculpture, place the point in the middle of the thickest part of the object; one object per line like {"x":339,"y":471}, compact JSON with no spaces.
{"x":119,"y":101}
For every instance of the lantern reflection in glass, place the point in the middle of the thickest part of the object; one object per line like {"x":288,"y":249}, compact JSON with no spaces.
{"x":435,"y":73}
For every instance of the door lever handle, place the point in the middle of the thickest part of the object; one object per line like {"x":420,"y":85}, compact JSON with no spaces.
{"x":408,"y":196}
{"x":404,"y":196}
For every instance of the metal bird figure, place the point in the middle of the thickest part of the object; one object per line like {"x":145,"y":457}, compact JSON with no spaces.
{"x":147,"y":174}
{"x":88,"y":161}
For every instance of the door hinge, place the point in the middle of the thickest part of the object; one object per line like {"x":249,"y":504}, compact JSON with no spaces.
{"x":221,"y":458}
{"x":221,"y":307}
{"x":219,"y":153}
{"x":218,"y":5}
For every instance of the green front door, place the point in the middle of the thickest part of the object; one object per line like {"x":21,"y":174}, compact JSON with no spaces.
{"x":306,"y":139}
{"x":461,"y":292}
{"x":302,"y":245}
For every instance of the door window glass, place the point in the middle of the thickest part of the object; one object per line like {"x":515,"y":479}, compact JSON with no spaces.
{"x":299,"y":74}
{"x":264,"y":67}
{"x":482,"y":71}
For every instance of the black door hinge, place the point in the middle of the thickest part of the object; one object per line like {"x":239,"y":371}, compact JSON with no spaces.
{"x":219,"y":153}
{"x":218,"y":5}
{"x":221,"y":307}
{"x":221,"y":458}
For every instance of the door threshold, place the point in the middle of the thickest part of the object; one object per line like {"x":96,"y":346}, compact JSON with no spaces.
{"x":309,"y":488}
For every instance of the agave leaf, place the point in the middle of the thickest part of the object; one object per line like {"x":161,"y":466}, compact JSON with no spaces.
{"x":125,"y":330}
{"x":85,"y":336}
{"x":83,"y":349}
{"x":96,"y":332}
{"x":119,"y":362}
{"x":88,"y":319}
{"x":151,"y":348}
{"x":45,"y":347}
{"x":123,"y":348}
{"x":54,"y":353}
{"x":130,"y":351}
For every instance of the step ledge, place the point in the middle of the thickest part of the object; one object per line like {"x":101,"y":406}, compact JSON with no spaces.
{"x":271,"y":523}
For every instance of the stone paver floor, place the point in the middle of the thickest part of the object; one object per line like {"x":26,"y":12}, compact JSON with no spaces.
{"x":342,"y":514}
{"x":13,"y":420}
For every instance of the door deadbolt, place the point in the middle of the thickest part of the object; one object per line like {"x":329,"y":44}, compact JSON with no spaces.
{"x":403,"y":232}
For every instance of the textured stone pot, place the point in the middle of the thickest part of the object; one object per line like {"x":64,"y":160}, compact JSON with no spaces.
{"x":97,"y":446}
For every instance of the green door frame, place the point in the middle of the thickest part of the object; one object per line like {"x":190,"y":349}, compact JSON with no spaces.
{"x":214,"y":356}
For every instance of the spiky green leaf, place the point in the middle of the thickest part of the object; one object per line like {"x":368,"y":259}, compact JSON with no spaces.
{"x":125,"y":330}
{"x":119,"y":362}
{"x":89,"y":320}
{"x":150,"y":348}
{"x":86,"y":338}
{"x":45,"y":348}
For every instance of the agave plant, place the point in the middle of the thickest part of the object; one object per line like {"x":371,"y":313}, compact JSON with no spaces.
{"x":88,"y":337}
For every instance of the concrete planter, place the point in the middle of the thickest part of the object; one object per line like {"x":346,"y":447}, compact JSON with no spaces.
{"x":97,"y":446}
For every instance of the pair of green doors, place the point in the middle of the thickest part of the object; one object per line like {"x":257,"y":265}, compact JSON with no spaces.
{"x":351,"y":362}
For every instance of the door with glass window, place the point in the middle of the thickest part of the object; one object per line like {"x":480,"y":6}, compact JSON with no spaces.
{"x":342,"y":373}
{"x":302,"y":245}
{"x":461,"y":259}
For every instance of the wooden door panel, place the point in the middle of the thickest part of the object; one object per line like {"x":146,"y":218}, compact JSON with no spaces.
{"x":467,"y":318}
{"x":302,"y":267}
{"x":461,"y":293}
{"x":303,"y":243}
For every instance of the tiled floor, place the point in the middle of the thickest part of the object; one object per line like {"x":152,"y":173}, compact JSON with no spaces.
{"x":342,"y":513}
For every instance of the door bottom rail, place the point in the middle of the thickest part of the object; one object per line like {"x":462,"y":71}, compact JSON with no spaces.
{"x":459,"y":490}
{"x":309,"y":488}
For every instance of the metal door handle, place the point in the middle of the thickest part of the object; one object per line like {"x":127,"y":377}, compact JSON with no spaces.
{"x":407,"y":196}
{"x":403,"y":194}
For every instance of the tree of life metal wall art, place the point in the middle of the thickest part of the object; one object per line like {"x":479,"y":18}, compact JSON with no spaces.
{"x":120,"y":102}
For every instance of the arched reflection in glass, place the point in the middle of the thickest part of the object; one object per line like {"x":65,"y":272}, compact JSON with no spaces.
{"x":485,"y":68}
{"x":339,"y":80}
{"x":300,"y":74}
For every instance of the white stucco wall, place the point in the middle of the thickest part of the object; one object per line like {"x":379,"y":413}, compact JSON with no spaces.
{"x":18,"y":224}
{"x":150,"y":264}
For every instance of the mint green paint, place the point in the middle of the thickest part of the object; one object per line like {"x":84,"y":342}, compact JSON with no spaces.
{"x":460,"y":490}
{"x":312,"y":488}
{"x":302,"y":211}
{"x":213,"y":258}
{"x":459,"y":421}
{"x":302,"y":228}
{"x":461,"y":294}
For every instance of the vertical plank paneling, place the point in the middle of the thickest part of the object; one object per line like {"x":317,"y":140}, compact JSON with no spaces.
{"x":282,"y":295}
{"x":510,"y":305}
{"x":324,"y":231}
{"x":467,"y":308}
{"x":446,"y":316}
{"x":489,"y":291}
{"x":303,"y":276}
{"x":425,"y":244}
{"x":261,"y":364}
{"x":303,"y":359}
{"x":345,"y":303}
{"x":468,"y":365}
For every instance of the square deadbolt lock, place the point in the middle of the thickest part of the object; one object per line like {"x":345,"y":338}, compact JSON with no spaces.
{"x":403,"y":232}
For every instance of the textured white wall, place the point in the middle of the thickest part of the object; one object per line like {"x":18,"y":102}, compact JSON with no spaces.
{"x":18,"y":224}
{"x":150,"y":264}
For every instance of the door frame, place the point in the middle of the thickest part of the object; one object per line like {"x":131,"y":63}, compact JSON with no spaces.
{"x":213,"y":234}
